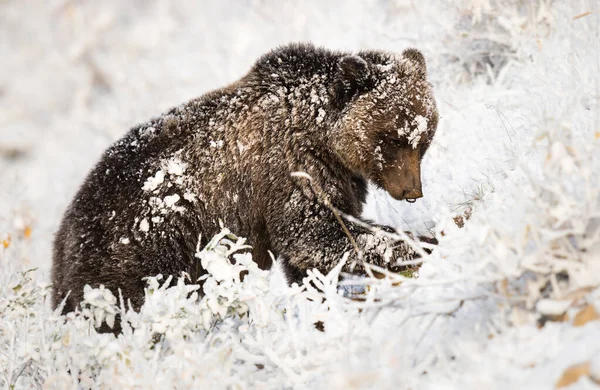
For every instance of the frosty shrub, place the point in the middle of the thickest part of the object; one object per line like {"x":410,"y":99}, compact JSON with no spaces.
{"x":486,"y":37}
{"x":225,"y":294}
{"x":170,"y":315}
{"x":242,"y":325}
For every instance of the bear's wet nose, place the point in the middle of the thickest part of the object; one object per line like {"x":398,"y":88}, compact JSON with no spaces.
{"x":412,"y":194}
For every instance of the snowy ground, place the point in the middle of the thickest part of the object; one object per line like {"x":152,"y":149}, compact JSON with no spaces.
{"x":507,"y":301}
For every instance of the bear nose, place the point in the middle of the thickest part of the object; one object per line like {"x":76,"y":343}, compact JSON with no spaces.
{"x":413,"y":193}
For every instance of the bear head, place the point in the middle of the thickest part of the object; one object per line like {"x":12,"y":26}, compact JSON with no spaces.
{"x":387,"y":118}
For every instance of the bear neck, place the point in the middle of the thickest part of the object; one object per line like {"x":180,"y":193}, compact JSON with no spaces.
{"x":301,"y":129}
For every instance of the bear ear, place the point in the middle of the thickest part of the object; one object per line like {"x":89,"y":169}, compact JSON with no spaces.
{"x":353,"y":77}
{"x":417,"y":58}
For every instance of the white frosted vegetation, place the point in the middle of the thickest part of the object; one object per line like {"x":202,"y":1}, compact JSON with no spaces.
{"x":516,"y":156}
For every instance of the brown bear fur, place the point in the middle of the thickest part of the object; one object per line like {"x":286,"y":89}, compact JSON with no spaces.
{"x":229,"y":156}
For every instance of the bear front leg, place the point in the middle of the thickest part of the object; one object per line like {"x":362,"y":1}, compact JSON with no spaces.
{"x":314,"y":237}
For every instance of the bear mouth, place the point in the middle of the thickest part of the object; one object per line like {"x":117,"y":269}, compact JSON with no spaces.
{"x":411,"y":200}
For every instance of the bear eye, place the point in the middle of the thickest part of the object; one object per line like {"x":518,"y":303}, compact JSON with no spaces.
{"x":397,"y":142}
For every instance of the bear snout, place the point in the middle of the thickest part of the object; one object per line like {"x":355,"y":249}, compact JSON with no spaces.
{"x":413,"y":193}
{"x":404,"y":186}
{"x":402,"y":179}
{"x":400,"y":192}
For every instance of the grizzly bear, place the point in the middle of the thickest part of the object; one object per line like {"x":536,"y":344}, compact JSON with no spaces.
{"x":282,"y":157}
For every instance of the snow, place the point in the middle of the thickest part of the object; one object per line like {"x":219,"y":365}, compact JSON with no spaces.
{"x":189,"y":197}
{"x":421,"y":127}
{"x":170,"y":200}
{"x":516,"y":157}
{"x":321,"y":115}
{"x":144,"y":225}
{"x":175,"y":167}
{"x":552,"y":307}
{"x":153,"y":182}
